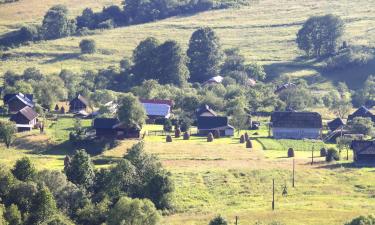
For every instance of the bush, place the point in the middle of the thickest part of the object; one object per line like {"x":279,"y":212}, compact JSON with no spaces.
{"x":242,"y":139}
{"x":177,"y":132}
{"x":108,"y":24}
{"x":363,"y":220}
{"x":88,"y":46}
{"x":216,"y":134}
{"x":249,"y":144}
{"x":186,"y":136}
{"x":349,"y":57}
{"x":332,"y":155}
{"x":210,"y":137}
{"x":290,"y":152}
{"x":218,"y":221}
{"x":323,"y":152}
{"x":167,"y":126}
{"x":168,"y":138}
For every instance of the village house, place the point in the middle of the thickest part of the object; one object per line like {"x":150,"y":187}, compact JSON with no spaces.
{"x":296,"y":125}
{"x":364,"y":152}
{"x":157,"y":109}
{"x":25,"y":119}
{"x":284,"y":87}
{"x":112,"y":128}
{"x":16,"y":102}
{"x":207,"y":124}
{"x":78,"y":104}
{"x":335,"y":124}
{"x":362,"y":112}
{"x":205,"y":110}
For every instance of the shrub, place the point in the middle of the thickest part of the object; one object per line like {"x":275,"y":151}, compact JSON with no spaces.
{"x":177,"y":132}
{"x":186,"y":136}
{"x":363,"y":220}
{"x":332,"y":155}
{"x":216,"y":134}
{"x":88,"y":46}
{"x":242,"y":139}
{"x":168,"y":138}
{"x":249,"y":144}
{"x":108,"y":24}
{"x":218,"y":221}
{"x":323,"y":152}
{"x":210,"y":137}
{"x":290,"y":152}
{"x":167,"y":126}
{"x":349,"y":57}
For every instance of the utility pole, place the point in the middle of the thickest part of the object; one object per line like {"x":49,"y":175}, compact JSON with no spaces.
{"x":293,"y":172}
{"x":236,"y":220}
{"x":273,"y":194}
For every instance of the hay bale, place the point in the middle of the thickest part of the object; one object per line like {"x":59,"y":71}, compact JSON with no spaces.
{"x":249,"y":144}
{"x":323,"y":152}
{"x":168,"y":138}
{"x":177,"y":132}
{"x":332,"y":155}
{"x":290,"y":152}
{"x":210,"y":137}
{"x":242,"y":139}
{"x":247,"y":136}
{"x":216,"y":134}
{"x":186,"y":136}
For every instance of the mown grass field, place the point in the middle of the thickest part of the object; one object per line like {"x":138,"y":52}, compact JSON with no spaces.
{"x":264,"y":31}
{"x":223,"y":177}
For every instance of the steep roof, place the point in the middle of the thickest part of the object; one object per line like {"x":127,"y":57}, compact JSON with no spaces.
{"x":26,"y":112}
{"x":8,"y":97}
{"x":335,"y":124}
{"x":361,"y":112}
{"x":205,"y":108}
{"x":158,"y":101}
{"x":296,"y":120}
{"x":105,"y":123}
{"x":285,"y":86}
{"x":212,"y":123}
{"x":216,"y":79}
{"x":81,"y":99}
{"x":362,"y":147}
{"x":21,"y":97}
{"x":156,"y":107}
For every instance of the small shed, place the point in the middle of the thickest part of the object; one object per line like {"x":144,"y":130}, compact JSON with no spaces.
{"x":207,"y":124}
{"x":16,"y":102}
{"x":362,"y":111}
{"x":214,"y":80}
{"x":296,"y":125}
{"x":112,"y":128}
{"x":364,"y":152}
{"x":78,"y":104}
{"x":25,"y":119}
{"x":335,"y":124}
{"x":205,"y":110}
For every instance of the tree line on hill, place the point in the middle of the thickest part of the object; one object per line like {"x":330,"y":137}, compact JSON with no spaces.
{"x":7,"y":1}
{"x":131,"y":192}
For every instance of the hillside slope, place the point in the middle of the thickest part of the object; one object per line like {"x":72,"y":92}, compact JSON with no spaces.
{"x":264,"y":31}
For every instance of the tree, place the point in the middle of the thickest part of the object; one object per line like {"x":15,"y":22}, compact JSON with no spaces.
{"x":218,"y":221}
{"x":13,"y":215}
{"x":167,"y":126}
{"x":205,"y":55}
{"x":145,"y":58}
{"x":319,"y":35}
{"x":44,"y":206}
{"x":22,"y":194}
{"x":341,"y":108}
{"x":2,"y":219}
{"x":130,"y":111}
{"x":363,"y":220}
{"x":49,"y":90}
{"x":80,"y":171}
{"x":8,"y":132}
{"x":87,"y":46}
{"x":172,"y":63}
{"x":24,"y":170}
{"x":56,"y":23}
{"x":129,"y":211}
{"x":87,"y":19}
{"x":7,"y":181}
{"x":361,"y":125}
{"x":298,"y":98}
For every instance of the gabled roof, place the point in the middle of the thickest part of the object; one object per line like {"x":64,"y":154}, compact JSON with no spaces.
{"x":204,"y":108}
{"x":26,"y":112}
{"x":361,"y":112}
{"x":7,"y":97}
{"x":158,"y":101}
{"x":105,"y":123}
{"x":296,"y":120}
{"x":361,"y":147}
{"x":284,"y":86}
{"x":157,"y":107}
{"x":335,"y":124}
{"x":81,"y":99}
{"x":213,"y":123}
{"x":216,"y":79}
{"x":25,"y":99}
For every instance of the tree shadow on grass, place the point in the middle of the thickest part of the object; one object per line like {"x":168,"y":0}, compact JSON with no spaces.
{"x":62,"y":57}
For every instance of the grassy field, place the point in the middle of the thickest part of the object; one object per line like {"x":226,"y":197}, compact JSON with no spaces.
{"x":223,"y":177}
{"x":264,"y":32}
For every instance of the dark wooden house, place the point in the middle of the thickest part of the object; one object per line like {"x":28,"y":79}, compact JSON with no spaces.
{"x":25,"y":119}
{"x":78,"y":104}
{"x":296,"y":125}
{"x":157,"y":109}
{"x":335,"y":124}
{"x":364,"y":152}
{"x":362,"y":112}
{"x":112,"y":128}
{"x":16,"y":102}
{"x":207,"y":124}
{"x":205,"y":110}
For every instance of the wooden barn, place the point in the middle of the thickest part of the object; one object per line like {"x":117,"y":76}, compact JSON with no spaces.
{"x":25,"y":119}
{"x":207,"y":124}
{"x":296,"y":125}
{"x":157,"y":109}
{"x":364,"y":152}
{"x":78,"y":104}
{"x":205,"y":110}
{"x":362,"y":112}
{"x":335,"y":124}
{"x":112,"y":128}
{"x":16,"y":102}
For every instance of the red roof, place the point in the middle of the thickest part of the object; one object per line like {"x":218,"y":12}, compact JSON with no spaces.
{"x":157,"y":101}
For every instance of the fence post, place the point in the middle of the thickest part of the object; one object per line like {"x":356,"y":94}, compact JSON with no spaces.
{"x":273,"y":194}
